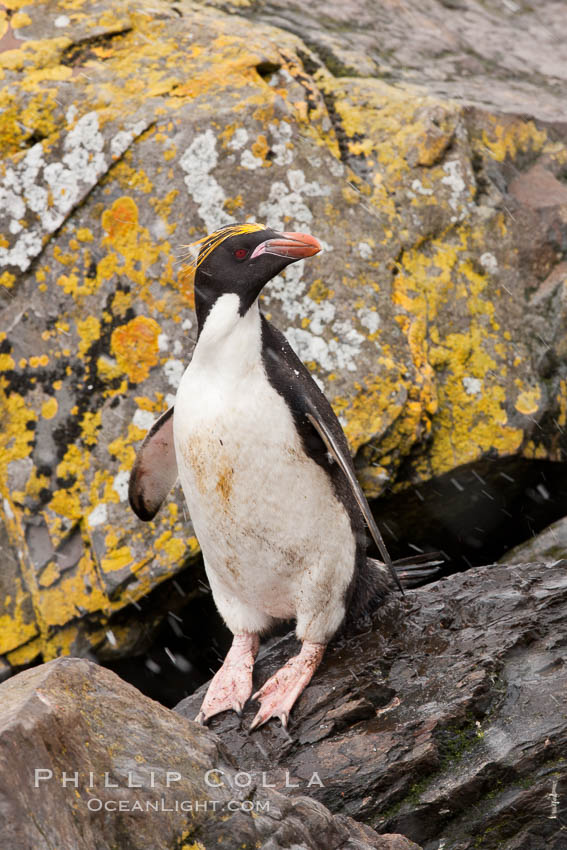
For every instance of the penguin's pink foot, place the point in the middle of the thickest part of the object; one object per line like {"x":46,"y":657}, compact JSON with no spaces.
{"x":232,"y":684}
{"x":280,"y":692}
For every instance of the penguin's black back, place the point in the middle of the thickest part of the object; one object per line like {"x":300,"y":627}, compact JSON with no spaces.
{"x":289,"y":377}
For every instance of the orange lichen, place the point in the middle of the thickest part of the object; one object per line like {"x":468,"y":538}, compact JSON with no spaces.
{"x":120,"y":221}
{"x":135,"y":346}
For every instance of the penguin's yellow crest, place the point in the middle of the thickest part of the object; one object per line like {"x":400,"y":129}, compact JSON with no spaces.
{"x":201,"y":248}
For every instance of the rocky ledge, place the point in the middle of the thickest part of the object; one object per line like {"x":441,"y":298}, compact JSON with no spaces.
{"x":446,"y":721}
{"x":87,"y":762}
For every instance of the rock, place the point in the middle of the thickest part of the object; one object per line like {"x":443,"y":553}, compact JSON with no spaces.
{"x":478,"y":511}
{"x":87,"y":761}
{"x":550,"y":545}
{"x":447,"y":721}
{"x":504,"y":56}
{"x":434,"y":319}
{"x":96,"y":331}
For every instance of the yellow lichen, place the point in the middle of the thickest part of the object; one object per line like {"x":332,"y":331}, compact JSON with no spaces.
{"x":89,"y":331}
{"x":7,"y":280}
{"x":6,"y":363}
{"x":49,"y":575}
{"x":15,"y":626}
{"x":90,"y":424}
{"x":117,"y":559}
{"x":20,"y":20}
{"x":49,"y":408}
{"x":34,"y":54}
{"x":15,"y":437}
{"x":38,"y":360}
{"x":510,"y":135}
{"x":174,"y":547}
{"x":528,"y":401}
{"x":319,"y":291}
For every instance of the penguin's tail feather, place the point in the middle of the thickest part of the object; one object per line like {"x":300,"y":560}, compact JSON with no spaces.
{"x":415,"y":570}
{"x":374,"y":584}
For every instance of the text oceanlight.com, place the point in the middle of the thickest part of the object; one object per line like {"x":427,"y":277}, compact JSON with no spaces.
{"x":95,"y":804}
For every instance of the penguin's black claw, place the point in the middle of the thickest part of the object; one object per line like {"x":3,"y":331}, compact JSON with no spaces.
{"x":201,"y":719}
{"x":262,"y":716}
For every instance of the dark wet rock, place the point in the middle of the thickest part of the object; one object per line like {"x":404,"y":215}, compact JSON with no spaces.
{"x":87,"y":762}
{"x":447,"y":721}
{"x":549,"y":545}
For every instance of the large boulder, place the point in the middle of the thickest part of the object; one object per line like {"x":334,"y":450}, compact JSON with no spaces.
{"x":86,"y":761}
{"x":434,"y":320}
{"x":446,"y":721}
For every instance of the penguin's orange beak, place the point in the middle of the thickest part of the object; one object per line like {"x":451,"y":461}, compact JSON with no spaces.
{"x":296,"y":246}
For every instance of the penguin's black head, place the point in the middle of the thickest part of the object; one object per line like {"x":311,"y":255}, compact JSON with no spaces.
{"x":241,"y":259}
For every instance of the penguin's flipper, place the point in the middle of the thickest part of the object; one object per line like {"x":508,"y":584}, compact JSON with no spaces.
{"x":155,"y":469}
{"x":335,"y":451}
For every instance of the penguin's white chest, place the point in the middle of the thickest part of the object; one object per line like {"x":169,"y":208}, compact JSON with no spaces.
{"x":265,"y":514}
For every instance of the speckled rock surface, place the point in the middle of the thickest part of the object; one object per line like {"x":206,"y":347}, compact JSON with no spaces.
{"x":447,"y":721}
{"x":434,"y":319}
{"x":505,"y":55}
{"x":86,"y":761}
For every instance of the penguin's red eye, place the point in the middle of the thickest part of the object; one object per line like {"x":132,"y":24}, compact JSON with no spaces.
{"x":240,"y":253}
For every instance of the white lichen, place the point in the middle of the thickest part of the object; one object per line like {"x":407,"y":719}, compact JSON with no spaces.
{"x":454,"y":180}
{"x":122,"y":140}
{"x":120,"y":484}
{"x":281,"y":143}
{"x":369,"y":319}
{"x":286,"y":207}
{"x":8,"y":509}
{"x":37,"y":196}
{"x":143,"y":419}
{"x":418,"y":187}
{"x":251,"y":162}
{"x":173,"y":372}
{"x":98,"y":515}
{"x":336,"y":167}
{"x":489,"y":262}
{"x":198,"y":161}
{"x":330,"y":355}
{"x":71,"y":114}
{"x":473,"y":386}
{"x":238,"y":140}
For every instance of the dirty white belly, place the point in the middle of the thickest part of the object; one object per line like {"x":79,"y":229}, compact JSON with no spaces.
{"x":273,"y":534}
